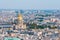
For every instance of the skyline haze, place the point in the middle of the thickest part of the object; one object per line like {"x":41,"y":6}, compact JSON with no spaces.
{"x":29,"y":4}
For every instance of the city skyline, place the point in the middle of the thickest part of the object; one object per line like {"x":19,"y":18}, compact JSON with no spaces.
{"x":30,"y":20}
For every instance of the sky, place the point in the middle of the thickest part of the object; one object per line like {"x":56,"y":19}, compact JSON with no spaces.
{"x":29,"y":4}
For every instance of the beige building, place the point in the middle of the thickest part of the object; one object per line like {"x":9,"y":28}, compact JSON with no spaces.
{"x":20,"y":24}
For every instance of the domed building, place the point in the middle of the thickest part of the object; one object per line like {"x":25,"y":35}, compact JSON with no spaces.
{"x":20,"y":17}
{"x":20,"y":24}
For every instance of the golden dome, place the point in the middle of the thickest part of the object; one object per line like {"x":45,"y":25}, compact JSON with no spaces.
{"x":20,"y":17}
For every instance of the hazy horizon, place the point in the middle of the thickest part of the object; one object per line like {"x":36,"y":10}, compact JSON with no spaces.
{"x":30,"y":4}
